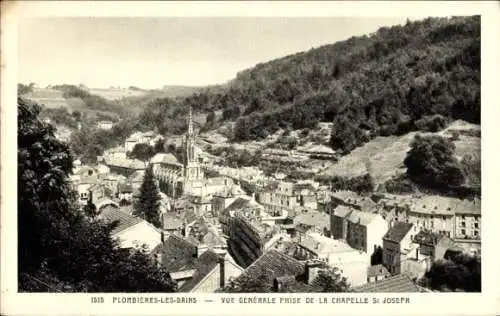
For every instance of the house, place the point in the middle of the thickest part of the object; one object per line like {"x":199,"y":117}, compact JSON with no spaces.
{"x":125,"y":167}
{"x":397,"y":245}
{"x":278,"y":272}
{"x":433,"y":245}
{"x":352,"y":263}
{"x":280,"y":198}
{"x":351,"y":199}
{"x":361,"y":230}
{"x":377,"y":273}
{"x":396,"y":284}
{"x":131,"y":231}
{"x":124,"y":192}
{"x":468,"y":219}
{"x":434,"y":213}
{"x":311,"y":221}
{"x":202,"y":205}
{"x":224,"y":198}
{"x":248,"y":237}
{"x":195,"y":268}
{"x":105,"y":125}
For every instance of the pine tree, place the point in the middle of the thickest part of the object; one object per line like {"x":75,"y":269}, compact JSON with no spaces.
{"x":148,"y":203}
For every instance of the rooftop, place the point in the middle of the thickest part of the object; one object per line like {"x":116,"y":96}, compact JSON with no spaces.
{"x":119,"y":219}
{"x":317,"y":243}
{"x":273,"y":264}
{"x":398,"y":231}
{"x":163,"y":158}
{"x":377,"y":270}
{"x":434,"y":204}
{"x":360,"y":217}
{"x":397,"y":284}
{"x":205,"y":263}
{"x":469,"y":207}
{"x":313,"y":218}
{"x":177,"y":253}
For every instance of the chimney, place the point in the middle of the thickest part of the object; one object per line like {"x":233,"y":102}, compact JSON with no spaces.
{"x":222,"y":272}
{"x":277,"y":285}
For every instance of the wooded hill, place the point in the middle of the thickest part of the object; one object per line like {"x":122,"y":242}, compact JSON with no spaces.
{"x":388,"y":83}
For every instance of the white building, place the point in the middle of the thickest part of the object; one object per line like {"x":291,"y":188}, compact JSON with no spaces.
{"x":352,"y":263}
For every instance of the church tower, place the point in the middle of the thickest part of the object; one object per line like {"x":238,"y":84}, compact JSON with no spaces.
{"x":192,"y":168}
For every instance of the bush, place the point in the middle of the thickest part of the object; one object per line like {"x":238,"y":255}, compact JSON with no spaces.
{"x":433,"y":123}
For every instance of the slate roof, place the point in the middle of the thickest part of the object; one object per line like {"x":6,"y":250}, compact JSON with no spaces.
{"x":241,"y":203}
{"x":203,"y":266}
{"x":342,"y":211}
{"x":435,"y":205}
{"x":377,"y":270}
{"x":363,"y":218}
{"x":321,"y":244}
{"x":111,"y":214}
{"x":177,"y":254}
{"x":398,"y":231}
{"x":273,"y":264}
{"x":469,"y":207}
{"x":400,"y":283}
{"x":313,"y":218}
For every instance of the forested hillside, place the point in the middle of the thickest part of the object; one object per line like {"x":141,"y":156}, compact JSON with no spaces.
{"x":390,"y":82}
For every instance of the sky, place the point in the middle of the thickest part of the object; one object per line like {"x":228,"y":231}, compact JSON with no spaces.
{"x":152,"y":52}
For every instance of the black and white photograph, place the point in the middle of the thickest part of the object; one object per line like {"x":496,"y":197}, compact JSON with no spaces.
{"x":249,"y":155}
{"x":255,"y":160}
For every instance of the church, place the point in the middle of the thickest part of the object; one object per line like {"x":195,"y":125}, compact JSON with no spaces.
{"x":185,"y":178}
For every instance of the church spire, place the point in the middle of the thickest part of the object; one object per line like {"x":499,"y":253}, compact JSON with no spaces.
{"x":190,"y":122}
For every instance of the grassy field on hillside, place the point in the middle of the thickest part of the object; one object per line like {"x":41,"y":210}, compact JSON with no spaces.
{"x":115,"y":94}
{"x":51,"y":98}
{"x":383,"y":157}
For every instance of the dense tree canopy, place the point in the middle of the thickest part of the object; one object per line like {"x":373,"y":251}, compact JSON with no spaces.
{"x":431,"y":162}
{"x":142,"y":151}
{"x":59,"y":247}
{"x":461,"y":273}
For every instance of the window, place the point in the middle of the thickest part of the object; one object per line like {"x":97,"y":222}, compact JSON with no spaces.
{"x":462,"y":224}
{"x":476,"y":233}
{"x":444,"y":218}
{"x":432,"y":224}
{"x":476,"y":225}
{"x":463,"y":231}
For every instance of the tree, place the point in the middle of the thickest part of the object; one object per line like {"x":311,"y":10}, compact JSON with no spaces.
{"x":345,"y":135}
{"x":90,"y":209}
{"x":142,"y":151}
{"x":59,"y":248}
{"x":159,"y":146}
{"x":376,"y":257}
{"x":210,"y":118}
{"x":330,"y":280}
{"x":431,"y":162}
{"x":148,"y":203}
{"x":463,"y":272}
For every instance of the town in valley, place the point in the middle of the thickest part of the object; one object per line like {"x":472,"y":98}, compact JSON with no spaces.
{"x":338,"y":177}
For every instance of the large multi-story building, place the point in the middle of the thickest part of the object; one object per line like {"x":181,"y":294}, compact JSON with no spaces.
{"x":282,"y":198}
{"x":361,"y":230}
{"x":468,"y":220}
